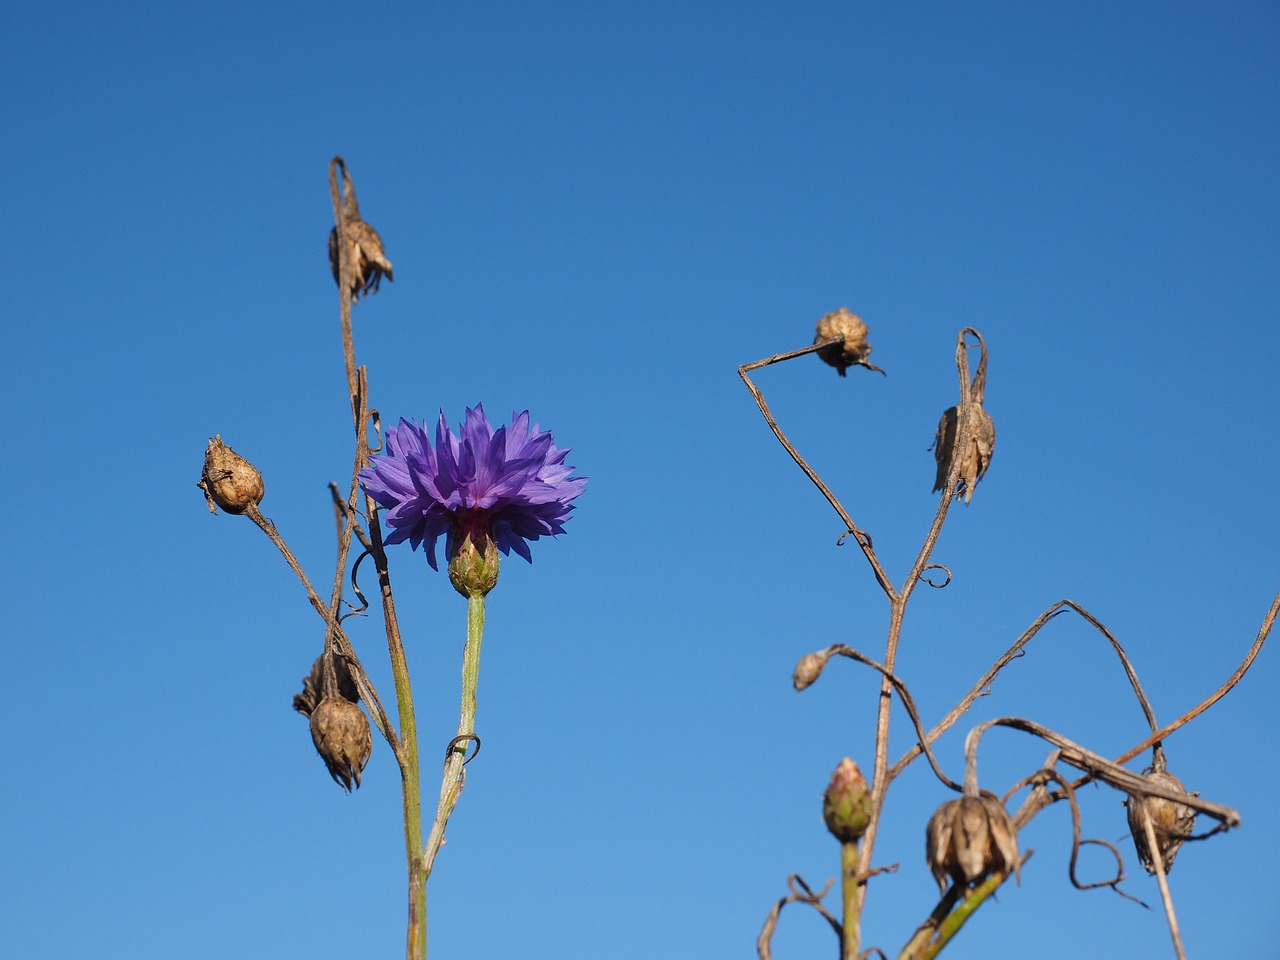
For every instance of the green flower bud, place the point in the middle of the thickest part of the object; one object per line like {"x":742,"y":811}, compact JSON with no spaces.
{"x":473,"y":570}
{"x":846,"y":806}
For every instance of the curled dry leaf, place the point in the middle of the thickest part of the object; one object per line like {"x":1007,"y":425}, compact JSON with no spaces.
{"x":969,"y":839}
{"x":229,"y":480}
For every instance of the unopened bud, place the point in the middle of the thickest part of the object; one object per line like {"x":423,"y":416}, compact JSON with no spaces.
{"x":969,"y":839}
{"x":846,"y":805}
{"x":229,"y":480}
{"x":473,"y":570}
{"x":341,"y":733}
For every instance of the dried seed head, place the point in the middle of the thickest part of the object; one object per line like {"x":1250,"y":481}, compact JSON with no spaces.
{"x":969,"y":839}
{"x":854,"y":351}
{"x":809,"y":669}
{"x":364,"y":252}
{"x":313,"y":686}
{"x":846,"y":805}
{"x":976,"y":456}
{"x":1172,"y":822}
{"x":341,"y":733}
{"x":229,"y":480}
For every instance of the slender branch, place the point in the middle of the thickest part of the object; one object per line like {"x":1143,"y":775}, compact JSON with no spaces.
{"x":1157,"y":861}
{"x":898,"y":605}
{"x":864,"y":540}
{"x":1096,"y":765}
{"x":1268,"y":622}
{"x":983,"y":686}
{"x":348,"y":652}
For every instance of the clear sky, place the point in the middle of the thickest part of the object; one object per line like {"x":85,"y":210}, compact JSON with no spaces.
{"x":596,"y":211}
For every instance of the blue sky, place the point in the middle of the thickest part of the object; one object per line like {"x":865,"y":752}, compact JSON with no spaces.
{"x":596,"y":212}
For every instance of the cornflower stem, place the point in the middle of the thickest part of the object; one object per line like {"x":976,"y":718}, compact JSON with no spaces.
{"x":851,"y":930}
{"x":452,"y":781}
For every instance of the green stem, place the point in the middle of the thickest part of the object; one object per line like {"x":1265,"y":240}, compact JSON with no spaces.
{"x":411,"y":796}
{"x":938,"y":930}
{"x":452,"y":781}
{"x":851,"y":937}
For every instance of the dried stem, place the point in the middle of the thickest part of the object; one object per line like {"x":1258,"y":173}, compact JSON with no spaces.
{"x":343,"y":642}
{"x":358,"y":391}
{"x":897,"y":609}
{"x":983,"y":686}
{"x":1157,"y":861}
{"x":864,"y":540}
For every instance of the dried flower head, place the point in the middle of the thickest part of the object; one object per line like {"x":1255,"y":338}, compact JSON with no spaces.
{"x":976,"y":456}
{"x":855,"y":349}
{"x":1172,"y":822}
{"x":846,"y":804}
{"x":981,"y":443}
{"x":364,"y":247}
{"x":969,"y":839}
{"x":229,"y":480}
{"x":495,"y":488}
{"x":340,"y":731}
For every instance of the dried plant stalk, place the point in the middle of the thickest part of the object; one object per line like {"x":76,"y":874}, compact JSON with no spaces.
{"x":364,"y":246}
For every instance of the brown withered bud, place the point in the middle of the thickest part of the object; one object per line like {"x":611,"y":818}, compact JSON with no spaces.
{"x":855,"y":349}
{"x":229,"y":480}
{"x":969,"y":839}
{"x":809,"y":668}
{"x":846,"y":804}
{"x":313,"y":685}
{"x":364,"y":247}
{"x":1172,"y":822}
{"x":340,"y":731}
{"x":976,"y":456}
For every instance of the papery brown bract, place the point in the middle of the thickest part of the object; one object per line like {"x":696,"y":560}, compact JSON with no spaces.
{"x":229,"y":480}
{"x":364,"y":247}
{"x":976,"y":456}
{"x":340,"y":730}
{"x":969,"y":839}
{"x":313,"y":685}
{"x":1172,"y":822}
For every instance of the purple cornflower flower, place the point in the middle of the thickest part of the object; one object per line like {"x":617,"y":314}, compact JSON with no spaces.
{"x":506,"y":487}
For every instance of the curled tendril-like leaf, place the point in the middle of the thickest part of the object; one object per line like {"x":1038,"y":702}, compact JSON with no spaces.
{"x":932,"y":583}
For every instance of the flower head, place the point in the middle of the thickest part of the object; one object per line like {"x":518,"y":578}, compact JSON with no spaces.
{"x":505,"y":487}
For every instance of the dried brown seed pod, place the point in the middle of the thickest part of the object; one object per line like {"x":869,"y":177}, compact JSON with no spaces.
{"x":229,"y":480}
{"x":855,"y":349}
{"x":969,"y":839}
{"x":1172,"y":822}
{"x":976,"y":456}
{"x":846,"y":804}
{"x":809,"y":668}
{"x":340,"y":731}
{"x":313,"y":685}
{"x":364,"y":246}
